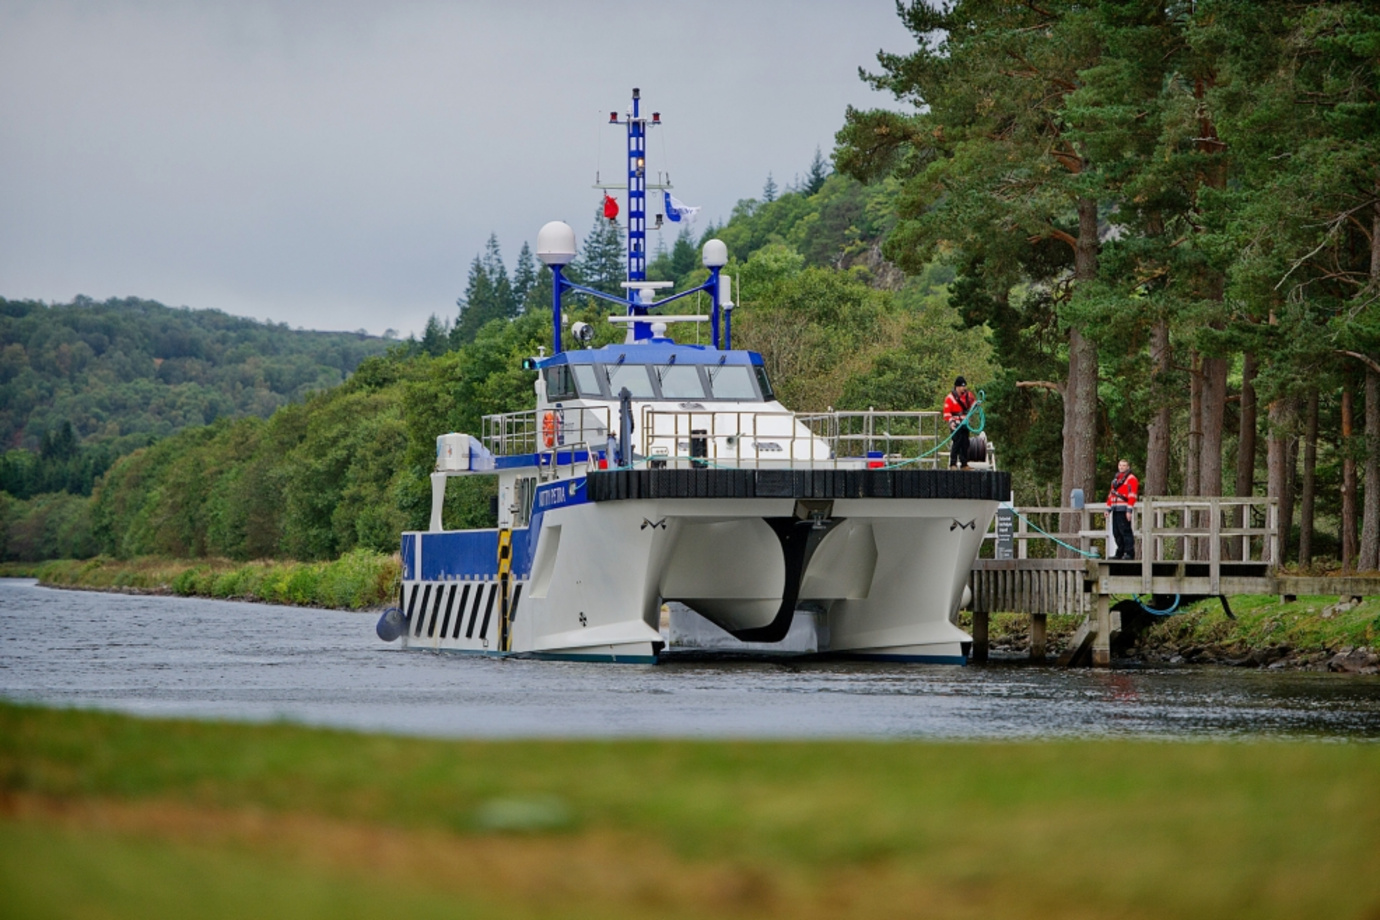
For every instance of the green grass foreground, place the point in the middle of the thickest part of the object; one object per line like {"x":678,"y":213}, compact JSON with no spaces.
{"x":111,"y":816}
{"x":356,"y":580}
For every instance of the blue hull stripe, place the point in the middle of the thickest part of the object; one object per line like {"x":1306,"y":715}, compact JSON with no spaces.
{"x":523,"y":461}
{"x":473,"y":554}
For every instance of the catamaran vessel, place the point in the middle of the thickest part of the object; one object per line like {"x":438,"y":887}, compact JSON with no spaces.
{"x":652,"y":474}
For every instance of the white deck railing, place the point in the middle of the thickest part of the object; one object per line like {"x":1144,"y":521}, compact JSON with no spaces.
{"x":737,"y":438}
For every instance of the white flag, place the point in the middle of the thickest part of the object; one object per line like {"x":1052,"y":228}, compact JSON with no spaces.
{"x":677,"y":209}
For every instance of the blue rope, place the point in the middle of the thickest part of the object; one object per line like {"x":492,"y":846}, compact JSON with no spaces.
{"x":1173,"y":608}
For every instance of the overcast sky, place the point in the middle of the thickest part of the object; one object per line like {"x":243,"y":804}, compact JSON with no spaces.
{"x":339,"y":165}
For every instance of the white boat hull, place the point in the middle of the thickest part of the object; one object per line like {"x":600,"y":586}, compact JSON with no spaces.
{"x":588,"y":578}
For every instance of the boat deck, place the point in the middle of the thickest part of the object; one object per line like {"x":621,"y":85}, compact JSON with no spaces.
{"x":622,"y":485}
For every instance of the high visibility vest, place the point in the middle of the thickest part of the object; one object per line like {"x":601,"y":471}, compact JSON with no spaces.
{"x":1123,"y":491}
{"x":955,"y":406}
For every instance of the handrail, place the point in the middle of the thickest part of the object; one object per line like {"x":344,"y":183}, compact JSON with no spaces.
{"x":1170,"y":529}
{"x":740,"y":437}
{"x":512,"y":433}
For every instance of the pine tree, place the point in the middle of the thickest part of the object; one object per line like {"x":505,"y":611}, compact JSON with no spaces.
{"x":769,"y":190}
{"x":475,"y":305}
{"x":435,"y":338}
{"x":603,"y":258}
{"x":814,"y":177}
{"x":538,"y":296}
{"x":524,"y":277}
{"x":504,"y":305}
{"x":488,"y":295}
{"x":684,"y":256}
{"x":1005,"y":167}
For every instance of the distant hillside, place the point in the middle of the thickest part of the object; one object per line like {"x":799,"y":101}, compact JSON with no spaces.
{"x":100,"y":379}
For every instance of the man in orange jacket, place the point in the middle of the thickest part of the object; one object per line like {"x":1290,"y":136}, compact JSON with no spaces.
{"x":1121,"y":498}
{"x":957,"y":405}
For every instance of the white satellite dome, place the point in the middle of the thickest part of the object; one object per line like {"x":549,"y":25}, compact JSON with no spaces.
{"x":556,"y":243}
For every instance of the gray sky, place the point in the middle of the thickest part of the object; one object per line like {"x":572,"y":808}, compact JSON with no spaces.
{"x":339,"y":165}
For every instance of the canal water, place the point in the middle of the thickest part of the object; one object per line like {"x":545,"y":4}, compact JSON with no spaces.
{"x":166,"y":656}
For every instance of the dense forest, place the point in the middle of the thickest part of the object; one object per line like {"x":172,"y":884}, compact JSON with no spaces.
{"x":1167,"y":215}
{"x":1149,"y":230}
{"x":84,"y":383}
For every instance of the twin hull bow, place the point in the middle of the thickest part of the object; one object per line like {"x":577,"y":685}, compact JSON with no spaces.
{"x":880,"y":557}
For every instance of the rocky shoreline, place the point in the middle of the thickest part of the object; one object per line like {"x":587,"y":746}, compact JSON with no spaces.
{"x":1344,"y":660}
{"x":1201,"y":637}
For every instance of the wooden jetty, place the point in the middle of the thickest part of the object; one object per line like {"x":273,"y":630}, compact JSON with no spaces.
{"x":1186,"y":547}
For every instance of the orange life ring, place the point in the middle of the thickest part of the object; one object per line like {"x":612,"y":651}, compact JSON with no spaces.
{"x":548,"y":429}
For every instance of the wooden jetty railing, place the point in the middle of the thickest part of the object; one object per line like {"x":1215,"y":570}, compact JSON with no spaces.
{"x":1186,"y":546}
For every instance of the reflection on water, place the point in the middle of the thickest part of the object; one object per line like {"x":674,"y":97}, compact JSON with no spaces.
{"x":217,"y":659}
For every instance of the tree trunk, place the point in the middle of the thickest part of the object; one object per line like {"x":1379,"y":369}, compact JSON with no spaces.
{"x":1157,"y":446}
{"x":1310,"y":469}
{"x":1246,"y":443}
{"x":1370,"y":511}
{"x":1194,"y":455}
{"x":1212,"y":416}
{"x":1276,"y":461}
{"x":1080,"y":395}
{"x":1291,"y":471}
{"x":1370,"y":526}
{"x":1245,"y":450}
{"x":1212,"y":419}
{"x":1348,"y":486}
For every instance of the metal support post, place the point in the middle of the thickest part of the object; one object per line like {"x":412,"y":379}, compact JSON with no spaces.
{"x":714,"y":302}
{"x":557,"y":288}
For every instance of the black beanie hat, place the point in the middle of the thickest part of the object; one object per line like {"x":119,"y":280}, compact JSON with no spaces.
{"x":960,"y":382}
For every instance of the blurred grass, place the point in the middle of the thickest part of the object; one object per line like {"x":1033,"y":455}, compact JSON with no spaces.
{"x":316,"y":822}
{"x":356,"y":580}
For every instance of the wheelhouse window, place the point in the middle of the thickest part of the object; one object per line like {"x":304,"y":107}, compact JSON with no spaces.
{"x":586,"y":380}
{"x":566,"y":381}
{"x":632,"y":376}
{"x":559,"y":382}
{"x":763,"y":383}
{"x":731,"y":381}
{"x":680,"y":381}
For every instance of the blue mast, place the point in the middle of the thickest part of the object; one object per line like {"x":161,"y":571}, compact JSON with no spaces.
{"x":556,"y":246}
{"x":637,"y":204}
{"x":637,"y":191}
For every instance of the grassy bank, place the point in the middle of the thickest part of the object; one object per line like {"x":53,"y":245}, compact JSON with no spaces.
{"x":110,"y":816}
{"x":356,"y":580}
{"x":1306,"y":632}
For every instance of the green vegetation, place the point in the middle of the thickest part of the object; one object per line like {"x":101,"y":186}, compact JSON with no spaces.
{"x":1312,"y":628}
{"x":1168,"y":216}
{"x":127,"y":817}
{"x":128,"y":371}
{"x":85,"y":383}
{"x":356,"y":580}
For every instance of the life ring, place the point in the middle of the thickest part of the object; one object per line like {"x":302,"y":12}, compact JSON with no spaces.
{"x":548,"y":429}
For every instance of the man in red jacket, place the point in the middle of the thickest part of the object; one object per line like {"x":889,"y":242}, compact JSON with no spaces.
{"x":957,"y":405}
{"x":1121,"y":498}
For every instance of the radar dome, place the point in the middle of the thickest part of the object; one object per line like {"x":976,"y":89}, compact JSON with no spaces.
{"x":556,"y":243}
